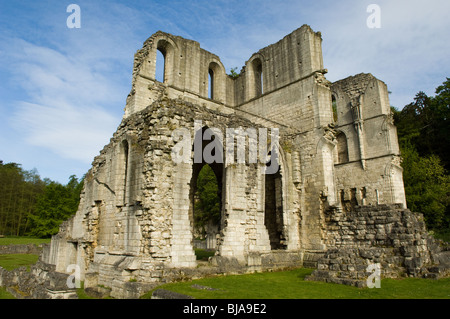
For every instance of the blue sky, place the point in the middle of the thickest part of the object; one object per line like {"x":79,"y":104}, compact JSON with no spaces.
{"x":63,"y":90}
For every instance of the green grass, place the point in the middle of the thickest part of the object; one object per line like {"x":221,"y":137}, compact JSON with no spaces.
{"x":13,"y":261}
{"x":23,"y":240}
{"x":291,"y":285}
{"x":5,"y":294}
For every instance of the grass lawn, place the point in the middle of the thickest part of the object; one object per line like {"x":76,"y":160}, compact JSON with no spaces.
{"x":291,"y":285}
{"x":13,"y":261}
{"x":269,"y":285}
{"x":23,"y":240}
{"x":4,"y":294}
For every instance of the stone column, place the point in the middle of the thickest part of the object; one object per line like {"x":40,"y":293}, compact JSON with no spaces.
{"x":235,"y":213}
{"x":182,"y":250}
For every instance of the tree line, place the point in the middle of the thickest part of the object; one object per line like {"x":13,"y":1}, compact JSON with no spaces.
{"x":31,"y":206}
{"x":424,"y":139}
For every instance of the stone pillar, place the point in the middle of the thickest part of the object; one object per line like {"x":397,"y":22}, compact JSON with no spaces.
{"x":234,"y":243}
{"x":182,"y":250}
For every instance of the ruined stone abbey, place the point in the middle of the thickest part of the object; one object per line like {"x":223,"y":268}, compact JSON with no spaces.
{"x":338,"y":186}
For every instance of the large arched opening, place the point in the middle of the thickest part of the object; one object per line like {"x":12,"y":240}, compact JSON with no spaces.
{"x":206,"y":192}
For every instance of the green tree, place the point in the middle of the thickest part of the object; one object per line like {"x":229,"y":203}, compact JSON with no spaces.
{"x":56,"y":204}
{"x":423,"y":133}
{"x":207,"y":205}
{"x":18,"y":191}
{"x":425,"y":123}
{"x":426,"y":187}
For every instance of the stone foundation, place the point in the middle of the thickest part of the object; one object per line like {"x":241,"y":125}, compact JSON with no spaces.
{"x":116,"y":274}
{"x":388,"y":235}
{"x":21,"y":249}
{"x":41,"y":281}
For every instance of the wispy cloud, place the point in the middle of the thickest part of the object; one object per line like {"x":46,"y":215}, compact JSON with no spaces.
{"x":68,"y":131}
{"x":67,"y":114}
{"x":407,"y":52}
{"x":70,"y":87}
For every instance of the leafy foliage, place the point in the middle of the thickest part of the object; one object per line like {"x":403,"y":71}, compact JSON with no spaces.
{"x":207,"y":205}
{"x":426,"y":186}
{"x":423,"y":133}
{"x":32,"y":206}
{"x":55,"y":205}
{"x":233,"y":73}
{"x":425,"y":123}
{"x":18,"y":192}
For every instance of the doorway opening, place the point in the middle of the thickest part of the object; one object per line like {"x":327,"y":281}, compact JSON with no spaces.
{"x":206,"y":197}
{"x":273,"y":209}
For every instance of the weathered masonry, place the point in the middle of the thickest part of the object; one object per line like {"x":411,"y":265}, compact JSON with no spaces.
{"x":337,"y":151}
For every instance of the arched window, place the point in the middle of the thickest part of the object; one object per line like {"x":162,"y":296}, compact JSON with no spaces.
{"x":211,"y":83}
{"x":258,"y":77}
{"x":342,"y":148}
{"x":164,"y":61}
{"x":160,"y":65}
{"x":334,"y":108}
{"x":215,"y":81}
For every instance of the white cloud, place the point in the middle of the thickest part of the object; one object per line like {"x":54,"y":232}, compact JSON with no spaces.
{"x":65,"y":89}
{"x":407,"y":52}
{"x":71,"y":132}
{"x":63,"y":109}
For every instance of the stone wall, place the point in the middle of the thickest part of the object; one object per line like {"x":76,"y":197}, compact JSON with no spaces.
{"x":21,"y":249}
{"x":187,"y":67}
{"x":365,"y":122}
{"x":39,"y":282}
{"x":389,"y":235}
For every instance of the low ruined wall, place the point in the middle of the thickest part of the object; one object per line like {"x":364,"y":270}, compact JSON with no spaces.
{"x":388,"y":235}
{"x":39,"y":282}
{"x":124,"y":280}
{"x":20,"y":249}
